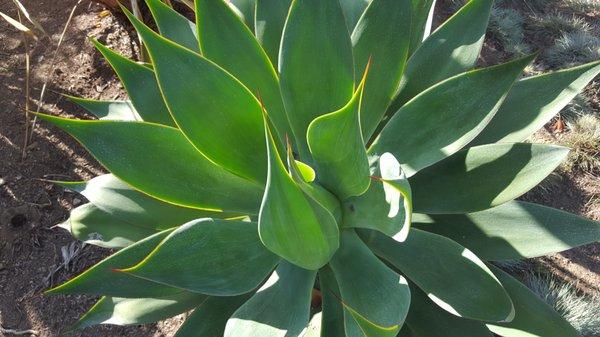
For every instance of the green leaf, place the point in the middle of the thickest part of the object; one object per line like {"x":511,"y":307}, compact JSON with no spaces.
{"x":446,"y":118}
{"x":103,"y":279}
{"x":128,"y":311}
{"x":225,"y":40}
{"x":428,"y":320}
{"x":533,"y":316}
{"x":375,"y":298}
{"x":534,"y":101}
{"x":108,"y":110}
{"x":379,"y":208}
{"x":141,"y":86}
{"x":484,"y":176}
{"x":94,"y":226}
{"x":122,"y":201}
{"x":291,"y":223}
{"x":246,"y":10}
{"x":332,"y":319}
{"x":209,"y":256}
{"x":228,"y":127}
{"x":353,"y":10}
{"x":451,"y":275}
{"x":382,"y":35}
{"x":422,"y":19}
{"x":315,"y":62}
{"x":514,"y":230}
{"x":209,"y":319}
{"x":453,"y":48}
{"x":173,"y":25}
{"x":268,"y":25}
{"x":337,"y":147}
{"x":280,"y":308}
{"x":212,"y":188}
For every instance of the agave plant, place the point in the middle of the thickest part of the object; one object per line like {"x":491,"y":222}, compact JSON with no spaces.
{"x":324,"y":167}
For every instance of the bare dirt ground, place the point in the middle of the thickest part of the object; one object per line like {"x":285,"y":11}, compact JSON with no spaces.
{"x":30,"y":250}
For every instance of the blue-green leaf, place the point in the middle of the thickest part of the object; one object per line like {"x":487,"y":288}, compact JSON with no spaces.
{"x":209,"y":319}
{"x":315,"y":62}
{"x":268,"y":25}
{"x":375,"y":298}
{"x":422,"y":19}
{"x":337,"y":147}
{"x":452,"y":276}
{"x":353,"y":10}
{"x":514,"y":230}
{"x":484,"y":176}
{"x":291,"y":223}
{"x":209,"y":256}
{"x":108,"y":110}
{"x":218,"y":114}
{"x":140,"y":83}
{"x":280,"y":308}
{"x":173,"y":25}
{"x":446,"y":118}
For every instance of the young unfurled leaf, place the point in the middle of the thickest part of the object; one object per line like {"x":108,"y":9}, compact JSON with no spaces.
{"x":337,"y":148}
{"x":379,"y":208}
{"x":291,"y":223}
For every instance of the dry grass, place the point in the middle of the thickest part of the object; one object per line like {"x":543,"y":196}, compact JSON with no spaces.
{"x":584,"y":141}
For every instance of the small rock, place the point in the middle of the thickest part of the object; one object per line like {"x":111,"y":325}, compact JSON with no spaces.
{"x":2,"y":181}
{"x":76,"y":201}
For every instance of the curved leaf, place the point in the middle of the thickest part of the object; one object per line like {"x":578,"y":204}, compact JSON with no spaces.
{"x":451,"y":276}
{"x":533,"y":101}
{"x":209,"y":319}
{"x":453,"y":48}
{"x":280,"y":308}
{"x":128,"y":311}
{"x":268,"y":25}
{"x":122,"y":201}
{"x":484,"y":176}
{"x":375,"y":298}
{"x":379,"y":208}
{"x":382,"y":35}
{"x":446,"y":118}
{"x":514,"y":230}
{"x":336,"y":144}
{"x":533,"y":316}
{"x":225,"y":40}
{"x":428,"y":320}
{"x":173,"y":25}
{"x":103,"y":279}
{"x":108,"y":110}
{"x":315,"y":62}
{"x":332,"y":318}
{"x":422,"y":19}
{"x":228,"y":127}
{"x":94,"y":226}
{"x":246,"y":10}
{"x":141,"y":86}
{"x":353,"y":10}
{"x":212,"y":188}
{"x":291,"y":223}
{"x":213,"y":257}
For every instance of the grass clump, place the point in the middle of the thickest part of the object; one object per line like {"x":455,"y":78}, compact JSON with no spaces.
{"x":573,"y":48}
{"x":584,"y":141}
{"x":555,"y":24}
{"x":583,"y":6}
{"x":580,"y":311}
{"x":506,"y":27}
